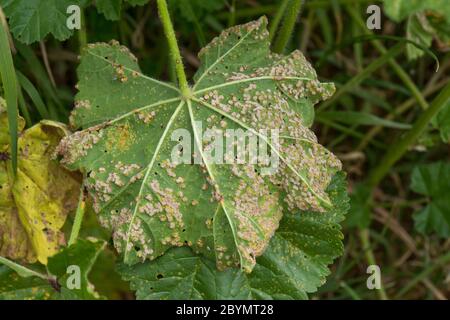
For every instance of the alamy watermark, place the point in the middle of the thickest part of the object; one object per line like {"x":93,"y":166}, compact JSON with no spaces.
{"x":227,"y":146}
{"x":374,"y":280}
{"x":73,"y":21}
{"x":374,"y":20}
{"x":74,"y":279}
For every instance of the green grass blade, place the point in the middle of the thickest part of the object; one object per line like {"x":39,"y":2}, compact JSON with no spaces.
{"x":21,"y":270}
{"x":38,"y":71}
{"x":9,"y":82}
{"x":34,"y":95}
{"x":79,"y":214}
{"x":362,"y":118}
{"x":24,"y":108}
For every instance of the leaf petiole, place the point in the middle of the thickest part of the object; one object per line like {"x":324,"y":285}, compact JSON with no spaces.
{"x":173,"y":48}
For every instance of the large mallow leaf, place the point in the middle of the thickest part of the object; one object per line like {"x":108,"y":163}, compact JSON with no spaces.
{"x":35,"y":203}
{"x":433,"y":181}
{"x":157,"y":170}
{"x":294,"y":264}
{"x":32,"y":20}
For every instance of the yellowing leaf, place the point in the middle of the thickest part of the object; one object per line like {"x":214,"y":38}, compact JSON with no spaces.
{"x":34,"y":205}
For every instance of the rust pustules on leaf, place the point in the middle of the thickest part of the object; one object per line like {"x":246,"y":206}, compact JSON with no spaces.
{"x":227,"y":211}
{"x":34,"y":204}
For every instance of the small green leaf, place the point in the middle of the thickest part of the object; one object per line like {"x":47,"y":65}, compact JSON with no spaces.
{"x":399,"y":10}
{"x":15,"y":287}
{"x":110,"y":8}
{"x":433,"y":181}
{"x":442,"y":121}
{"x":33,"y":20}
{"x":427,"y":19}
{"x":61,"y":282}
{"x":294,"y":264}
{"x":420,"y":31}
{"x":82,"y":255}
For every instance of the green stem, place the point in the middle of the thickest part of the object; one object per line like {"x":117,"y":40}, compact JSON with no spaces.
{"x":173,"y":48}
{"x":288,"y":26}
{"x":277,"y":19}
{"x":370,"y":257}
{"x":398,"y":149}
{"x":78,"y":218}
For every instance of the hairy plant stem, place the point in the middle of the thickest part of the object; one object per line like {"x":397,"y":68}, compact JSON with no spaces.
{"x":274,"y":23}
{"x":78,"y":217}
{"x":173,"y":48}
{"x":285,"y":32}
